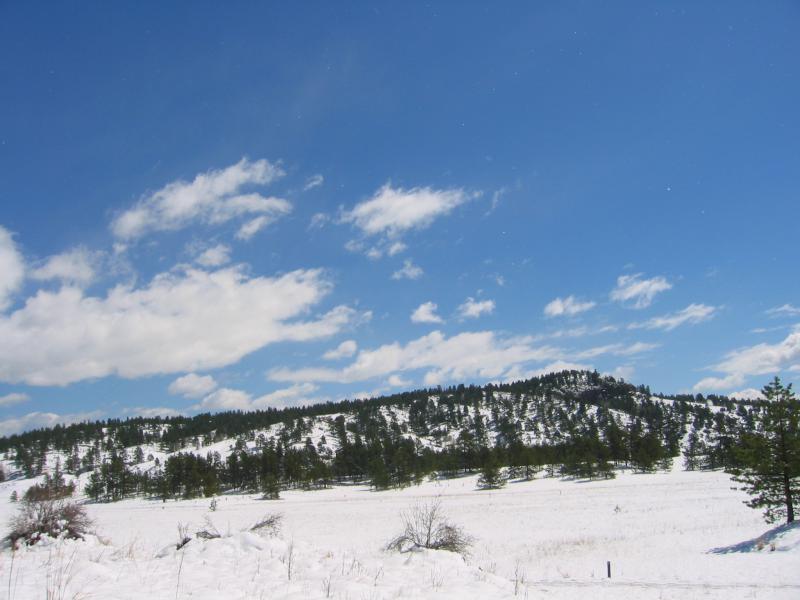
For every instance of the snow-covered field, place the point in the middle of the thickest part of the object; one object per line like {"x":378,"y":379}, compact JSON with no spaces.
{"x":545,"y":538}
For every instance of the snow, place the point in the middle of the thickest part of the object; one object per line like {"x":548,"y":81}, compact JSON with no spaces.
{"x":667,"y":535}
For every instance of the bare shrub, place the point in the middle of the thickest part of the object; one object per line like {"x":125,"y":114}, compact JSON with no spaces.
{"x":269,"y":524}
{"x":426,"y":526}
{"x":209,"y":531}
{"x":54,"y":518}
{"x":183,"y":536}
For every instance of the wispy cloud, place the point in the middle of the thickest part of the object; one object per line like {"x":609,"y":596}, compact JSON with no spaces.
{"x":691,"y":315}
{"x":568,"y":306}
{"x":344,"y":350}
{"x":313,"y":182}
{"x":787,"y":310}
{"x":14,"y":398}
{"x":211,"y":198}
{"x":636,"y":292}
{"x":760,"y":359}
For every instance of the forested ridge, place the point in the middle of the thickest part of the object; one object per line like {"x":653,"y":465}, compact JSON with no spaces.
{"x":573,"y":423}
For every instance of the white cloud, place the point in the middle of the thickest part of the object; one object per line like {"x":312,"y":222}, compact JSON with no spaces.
{"x":567,"y":306}
{"x":408,"y":271}
{"x":193,"y":385}
{"x":38,"y":420}
{"x":344,"y":350}
{"x":216,"y":256}
{"x":747,"y":394}
{"x":761,"y":359}
{"x":225,"y":399}
{"x":319,"y":220}
{"x":13,"y":398}
{"x":394,"y":211}
{"x":787,"y":310}
{"x":426,"y":313}
{"x":211,"y":198}
{"x":75,"y":266}
{"x":692,"y":315}
{"x":252,"y":227}
{"x":472,"y":309}
{"x":396,"y":248}
{"x":719,"y":383}
{"x":464,"y":356}
{"x":313,"y":181}
{"x":518,"y":374}
{"x":181,"y":321}
{"x":12,"y":268}
{"x":624,"y":372}
{"x":397,"y":381}
{"x":230,"y":399}
{"x":638,"y":292}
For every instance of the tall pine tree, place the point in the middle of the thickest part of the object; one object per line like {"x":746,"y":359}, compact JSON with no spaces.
{"x":770,"y":455}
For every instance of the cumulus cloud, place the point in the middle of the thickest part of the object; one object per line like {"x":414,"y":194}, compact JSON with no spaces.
{"x":216,"y":256}
{"x":787,"y":310}
{"x":747,"y":394}
{"x":466,"y":355}
{"x":394,"y":211}
{"x":13,"y":398}
{"x":636,"y":292}
{"x":181,"y":321}
{"x":408,"y":271}
{"x":472,"y":309}
{"x":76,"y":266}
{"x":193,"y":385}
{"x":38,"y":420}
{"x":691,"y":315}
{"x":760,"y":359}
{"x":344,"y":350}
{"x":211,"y":198}
{"x":568,"y":306}
{"x":12,"y":268}
{"x":426,"y":313}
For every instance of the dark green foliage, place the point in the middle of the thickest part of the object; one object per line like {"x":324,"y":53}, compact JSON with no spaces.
{"x":491,"y":477}
{"x":769,"y":456}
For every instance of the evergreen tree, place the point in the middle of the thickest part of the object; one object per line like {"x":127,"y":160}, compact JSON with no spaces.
{"x":770,"y":455}
{"x":490,"y":477}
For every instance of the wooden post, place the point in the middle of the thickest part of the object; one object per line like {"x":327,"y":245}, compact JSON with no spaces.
{"x":608,"y":568}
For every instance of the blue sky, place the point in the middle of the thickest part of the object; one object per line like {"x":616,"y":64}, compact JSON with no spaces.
{"x":252,"y":205}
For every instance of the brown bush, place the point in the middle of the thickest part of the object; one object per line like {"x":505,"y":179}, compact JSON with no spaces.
{"x":426,"y":526}
{"x":54,"y":518}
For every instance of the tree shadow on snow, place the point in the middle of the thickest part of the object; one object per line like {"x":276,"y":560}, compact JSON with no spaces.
{"x":766,"y":541}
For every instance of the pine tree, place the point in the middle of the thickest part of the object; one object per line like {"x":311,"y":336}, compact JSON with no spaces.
{"x":490,"y":477}
{"x":770,"y":455}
